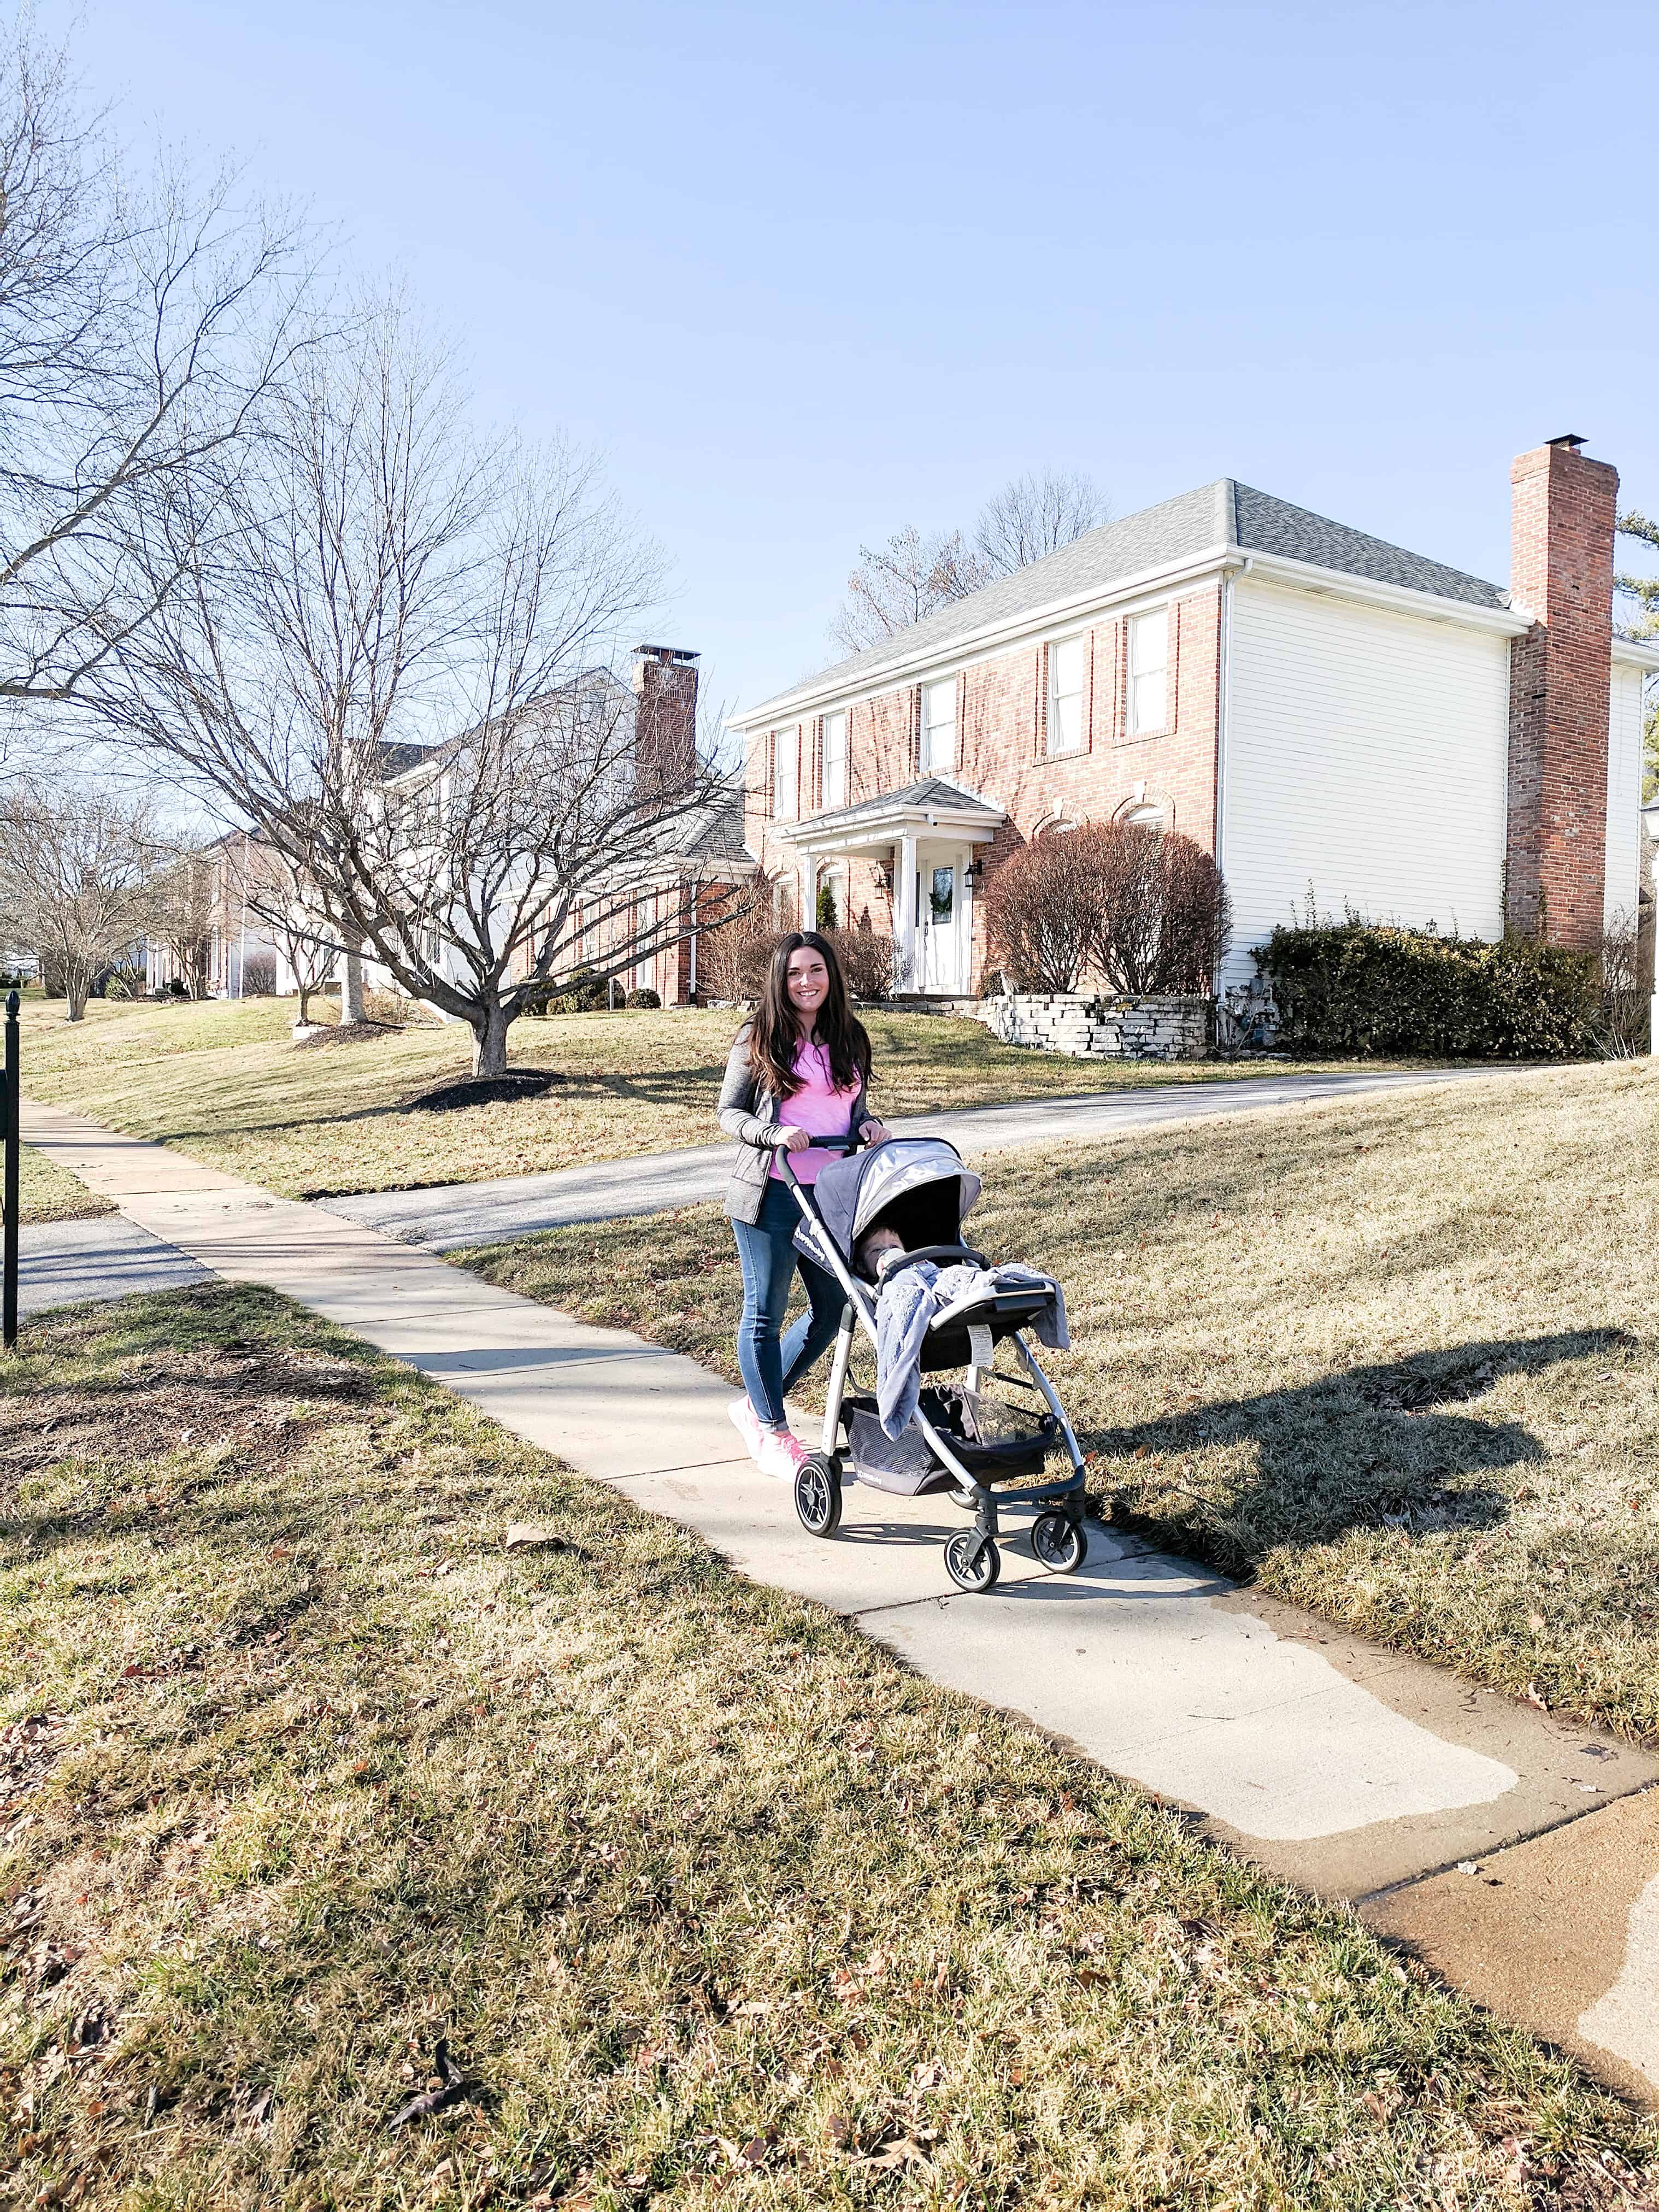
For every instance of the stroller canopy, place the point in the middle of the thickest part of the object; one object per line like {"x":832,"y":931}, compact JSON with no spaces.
{"x":920,"y":1182}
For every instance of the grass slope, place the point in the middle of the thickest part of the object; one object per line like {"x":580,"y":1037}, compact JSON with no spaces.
{"x":710,"y":1897}
{"x":1397,"y":1361}
{"x":223,"y":1081}
{"x":47,"y":1192}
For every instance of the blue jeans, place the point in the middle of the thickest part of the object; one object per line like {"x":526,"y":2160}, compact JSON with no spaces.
{"x":767,"y":1257}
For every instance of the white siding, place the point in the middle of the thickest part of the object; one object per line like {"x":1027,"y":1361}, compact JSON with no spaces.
{"x":1366,"y":755}
{"x":1624,"y":792}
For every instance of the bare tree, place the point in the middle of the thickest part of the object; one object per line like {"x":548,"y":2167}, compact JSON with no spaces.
{"x":140,"y":333}
{"x":396,"y":667}
{"x":1035,"y":515}
{"x":896,"y":584}
{"x":1643,"y":623}
{"x":78,"y":875}
{"x":184,"y":916}
{"x":915,"y":573}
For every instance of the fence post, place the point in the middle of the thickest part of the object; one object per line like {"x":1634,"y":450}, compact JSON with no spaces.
{"x":13,"y":1115}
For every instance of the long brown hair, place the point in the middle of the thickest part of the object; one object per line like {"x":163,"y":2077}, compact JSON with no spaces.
{"x":775,"y":1034}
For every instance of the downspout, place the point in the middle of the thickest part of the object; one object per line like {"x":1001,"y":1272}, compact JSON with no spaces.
{"x":1223,"y":713}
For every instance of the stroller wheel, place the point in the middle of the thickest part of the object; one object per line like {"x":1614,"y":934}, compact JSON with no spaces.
{"x":818,"y":1495}
{"x":1058,"y":1543}
{"x":972,"y":1570}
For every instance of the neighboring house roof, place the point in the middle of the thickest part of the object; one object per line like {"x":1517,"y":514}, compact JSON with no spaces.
{"x":1222,"y":516}
{"x":712,"y":832}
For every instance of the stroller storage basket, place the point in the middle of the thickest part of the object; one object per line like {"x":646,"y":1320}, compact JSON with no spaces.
{"x":996,"y":1443}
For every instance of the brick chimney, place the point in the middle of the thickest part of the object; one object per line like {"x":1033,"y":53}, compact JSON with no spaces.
{"x":1561,"y":575}
{"x":666,"y":718}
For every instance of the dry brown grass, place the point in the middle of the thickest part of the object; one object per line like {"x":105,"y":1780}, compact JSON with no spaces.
{"x":711,"y":1900}
{"x":47,"y":1192}
{"x":1397,"y":1361}
{"x":224,"y":1082}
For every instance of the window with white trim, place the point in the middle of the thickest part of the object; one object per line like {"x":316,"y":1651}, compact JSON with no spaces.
{"x":1149,"y":659}
{"x":785,"y":774}
{"x":1067,"y":675}
{"x":834,"y":759}
{"x":938,"y":727}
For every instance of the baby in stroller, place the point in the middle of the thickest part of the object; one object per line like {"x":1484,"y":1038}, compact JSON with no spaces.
{"x":888,"y":1225}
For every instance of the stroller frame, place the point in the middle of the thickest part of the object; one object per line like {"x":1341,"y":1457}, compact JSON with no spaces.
{"x":971,"y":1557}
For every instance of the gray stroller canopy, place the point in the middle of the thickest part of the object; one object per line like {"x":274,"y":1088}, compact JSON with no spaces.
{"x":852,"y":1192}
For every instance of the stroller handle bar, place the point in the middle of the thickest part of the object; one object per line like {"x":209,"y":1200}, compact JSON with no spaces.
{"x":849,"y":1143}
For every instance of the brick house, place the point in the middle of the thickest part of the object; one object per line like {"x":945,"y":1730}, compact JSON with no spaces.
{"x":1330,"y":715}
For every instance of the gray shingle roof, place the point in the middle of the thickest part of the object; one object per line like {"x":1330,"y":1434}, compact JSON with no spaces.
{"x":932,"y":791}
{"x":1222,"y":513}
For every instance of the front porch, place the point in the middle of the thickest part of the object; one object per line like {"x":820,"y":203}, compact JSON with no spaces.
{"x":923,"y":842}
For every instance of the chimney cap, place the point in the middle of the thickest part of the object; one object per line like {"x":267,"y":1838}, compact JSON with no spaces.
{"x":666,"y":652}
{"x":1571,"y":440}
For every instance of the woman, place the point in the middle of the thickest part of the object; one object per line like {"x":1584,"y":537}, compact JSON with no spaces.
{"x":798,"y":1072}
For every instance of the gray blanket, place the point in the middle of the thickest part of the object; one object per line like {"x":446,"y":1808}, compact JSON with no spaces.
{"x":910,"y":1300}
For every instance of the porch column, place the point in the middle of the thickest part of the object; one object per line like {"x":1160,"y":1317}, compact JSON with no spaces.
{"x":904,"y":901}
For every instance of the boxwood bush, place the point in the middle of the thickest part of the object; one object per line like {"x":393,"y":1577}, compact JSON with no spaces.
{"x":1353,"y":987}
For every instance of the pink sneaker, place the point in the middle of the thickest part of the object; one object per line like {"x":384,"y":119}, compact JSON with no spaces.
{"x":743,"y":1421}
{"x":781,"y":1453}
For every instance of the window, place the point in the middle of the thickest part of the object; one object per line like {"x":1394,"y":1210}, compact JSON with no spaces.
{"x":1066,"y":680}
{"x":785,"y":774}
{"x":1149,"y":652}
{"x":938,"y":726}
{"x":834,"y":759}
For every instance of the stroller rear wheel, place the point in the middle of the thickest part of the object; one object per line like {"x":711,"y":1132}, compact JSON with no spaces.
{"x":972,"y":1561}
{"x":818,"y":1495}
{"x":1058,"y":1543}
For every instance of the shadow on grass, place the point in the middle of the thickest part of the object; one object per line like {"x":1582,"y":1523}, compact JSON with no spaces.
{"x":1374,"y":1447}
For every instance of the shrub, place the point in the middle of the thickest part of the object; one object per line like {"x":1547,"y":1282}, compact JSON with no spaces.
{"x":260,"y":975}
{"x":1623,"y":1005}
{"x":177,"y":988}
{"x":1146,"y":909}
{"x":643,"y":998}
{"x":1351,"y":987}
{"x":585,"y":994}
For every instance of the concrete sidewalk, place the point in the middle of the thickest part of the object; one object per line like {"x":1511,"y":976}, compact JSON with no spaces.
{"x":1355,"y":1771}
{"x":449,"y":1215}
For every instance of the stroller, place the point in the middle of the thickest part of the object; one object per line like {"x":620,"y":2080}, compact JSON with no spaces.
{"x":984,"y":1441}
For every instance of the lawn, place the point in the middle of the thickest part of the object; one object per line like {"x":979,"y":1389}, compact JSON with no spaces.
{"x":47,"y":1192}
{"x":1396,"y":1360}
{"x":223,"y":1081}
{"x":709,"y":1898}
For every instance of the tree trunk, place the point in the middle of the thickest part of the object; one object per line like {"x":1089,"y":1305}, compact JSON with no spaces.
{"x":77,"y":989}
{"x":490,"y":1042}
{"x":303,"y":991}
{"x":351,"y":990}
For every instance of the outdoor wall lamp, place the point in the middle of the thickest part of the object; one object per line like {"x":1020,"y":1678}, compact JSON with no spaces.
{"x":975,"y":870}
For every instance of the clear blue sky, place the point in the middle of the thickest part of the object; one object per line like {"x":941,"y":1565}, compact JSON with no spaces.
{"x":807,"y":272}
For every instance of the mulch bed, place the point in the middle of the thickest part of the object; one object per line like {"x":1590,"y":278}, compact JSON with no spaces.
{"x":520,"y":1082}
{"x":345,"y":1033}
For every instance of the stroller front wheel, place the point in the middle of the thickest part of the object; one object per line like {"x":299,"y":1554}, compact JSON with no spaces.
{"x":818,"y":1495}
{"x":1058,"y":1543}
{"x":973,"y":1562}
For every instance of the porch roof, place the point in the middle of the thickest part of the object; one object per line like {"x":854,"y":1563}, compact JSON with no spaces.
{"x":874,"y":823}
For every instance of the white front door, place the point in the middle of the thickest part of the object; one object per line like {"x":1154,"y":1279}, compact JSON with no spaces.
{"x":942,"y":919}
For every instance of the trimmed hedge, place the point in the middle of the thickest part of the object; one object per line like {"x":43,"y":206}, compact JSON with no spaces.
{"x":1354,"y":987}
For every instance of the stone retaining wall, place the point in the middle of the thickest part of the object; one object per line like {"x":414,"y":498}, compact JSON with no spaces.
{"x":1100,"y":1028}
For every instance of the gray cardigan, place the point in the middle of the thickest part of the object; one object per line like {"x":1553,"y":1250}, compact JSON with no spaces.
{"x":749,"y":1112}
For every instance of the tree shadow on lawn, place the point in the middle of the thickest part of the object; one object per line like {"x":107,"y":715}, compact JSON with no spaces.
{"x":1371,"y":1447}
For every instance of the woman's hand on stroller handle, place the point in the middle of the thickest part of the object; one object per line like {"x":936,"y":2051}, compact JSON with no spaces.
{"x":873,"y":1132}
